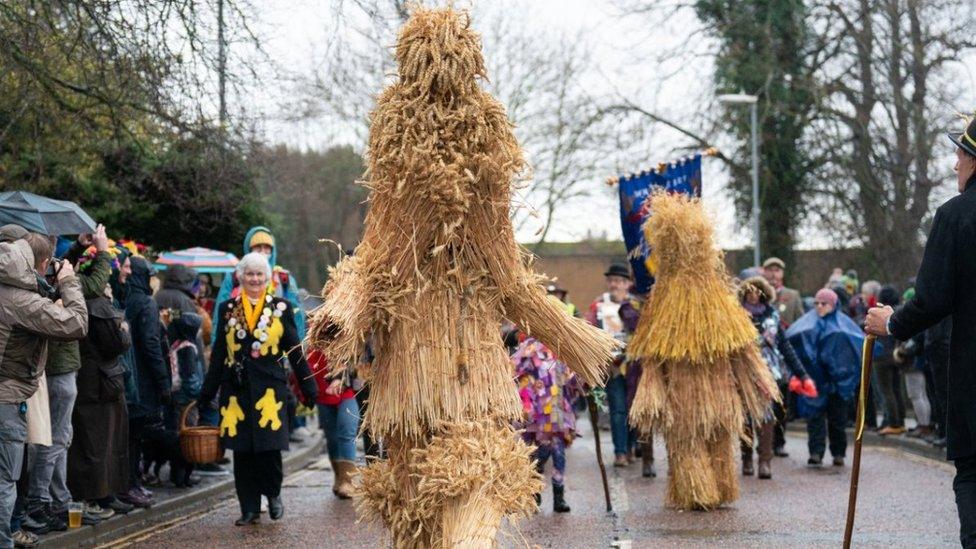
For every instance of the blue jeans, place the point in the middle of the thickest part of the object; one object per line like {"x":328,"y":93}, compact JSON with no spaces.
{"x":828,"y":422}
{"x":13,"y":435}
{"x":340,"y":423}
{"x":555,"y":449}
{"x":49,"y":474}
{"x":624,"y":438}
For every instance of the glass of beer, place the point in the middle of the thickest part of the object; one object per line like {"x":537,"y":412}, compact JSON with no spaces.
{"x":74,"y":514}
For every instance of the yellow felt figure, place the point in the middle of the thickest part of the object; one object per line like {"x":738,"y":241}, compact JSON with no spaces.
{"x":274,"y":331}
{"x":229,"y":416}
{"x":269,"y":408}
{"x":232,"y":346}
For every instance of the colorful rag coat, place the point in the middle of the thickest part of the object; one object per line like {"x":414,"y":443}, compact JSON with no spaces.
{"x":247,"y":365}
{"x":547,"y":389}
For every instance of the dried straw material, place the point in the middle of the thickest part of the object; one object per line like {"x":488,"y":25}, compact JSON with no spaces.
{"x":438,"y":269}
{"x":696,"y":316}
{"x":703,"y":374}
{"x":459,"y":486}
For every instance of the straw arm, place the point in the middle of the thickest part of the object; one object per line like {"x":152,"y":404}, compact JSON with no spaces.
{"x":584,"y":349}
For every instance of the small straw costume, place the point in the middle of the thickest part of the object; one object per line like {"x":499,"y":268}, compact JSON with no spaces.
{"x":547,"y":389}
{"x":703,"y":375}
{"x":437,"y":270}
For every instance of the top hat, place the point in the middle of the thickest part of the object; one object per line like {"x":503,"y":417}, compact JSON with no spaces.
{"x":967,"y":139}
{"x":618,"y":269}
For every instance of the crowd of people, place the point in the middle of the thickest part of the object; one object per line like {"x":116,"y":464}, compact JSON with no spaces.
{"x":811,"y":346}
{"x":102,"y":355}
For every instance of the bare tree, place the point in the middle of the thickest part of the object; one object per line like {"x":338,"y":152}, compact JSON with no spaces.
{"x":888,"y":97}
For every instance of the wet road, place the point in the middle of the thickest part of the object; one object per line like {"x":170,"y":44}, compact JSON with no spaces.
{"x":905,"y":501}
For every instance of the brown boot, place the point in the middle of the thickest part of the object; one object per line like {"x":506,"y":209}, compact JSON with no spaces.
{"x":344,"y":473}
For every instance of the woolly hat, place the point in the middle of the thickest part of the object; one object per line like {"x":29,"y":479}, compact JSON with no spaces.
{"x":261,"y":237}
{"x":827,"y":296}
{"x":759,"y":284}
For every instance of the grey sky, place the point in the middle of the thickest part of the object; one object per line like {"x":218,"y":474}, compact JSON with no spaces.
{"x":294,"y":30}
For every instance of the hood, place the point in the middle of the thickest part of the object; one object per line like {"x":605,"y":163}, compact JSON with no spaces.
{"x":17,"y":265}
{"x":185,"y":327}
{"x":180,"y":277}
{"x":273,"y":260}
{"x":138,"y":281}
{"x":12,"y":232}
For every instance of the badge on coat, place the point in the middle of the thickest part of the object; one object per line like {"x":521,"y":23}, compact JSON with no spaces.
{"x":230,"y":415}
{"x":269,"y":408}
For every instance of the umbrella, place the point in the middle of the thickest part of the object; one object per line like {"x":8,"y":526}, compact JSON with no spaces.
{"x":203,"y":260}
{"x":830,"y":348}
{"x":43,"y":215}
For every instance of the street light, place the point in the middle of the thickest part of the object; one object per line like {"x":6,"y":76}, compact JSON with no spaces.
{"x":751,"y":100}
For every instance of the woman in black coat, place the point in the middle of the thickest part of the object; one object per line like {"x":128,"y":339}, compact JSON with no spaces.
{"x":98,"y":458}
{"x":255,"y":333}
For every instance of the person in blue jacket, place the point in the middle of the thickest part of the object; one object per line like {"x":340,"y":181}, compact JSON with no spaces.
{"x":261,"y":239}
{"x":828,"y":342}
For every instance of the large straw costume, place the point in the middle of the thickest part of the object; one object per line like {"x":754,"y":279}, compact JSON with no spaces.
{"x":436,"y":271}
{"x":703,"y":374}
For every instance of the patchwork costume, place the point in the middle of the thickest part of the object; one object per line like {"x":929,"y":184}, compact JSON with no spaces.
{"x":248,"y":367}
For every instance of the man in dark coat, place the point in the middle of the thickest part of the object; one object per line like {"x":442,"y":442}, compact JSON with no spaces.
{"x":177,"y":290}
{"x":944,"y":288}
{"x":151,"y":376}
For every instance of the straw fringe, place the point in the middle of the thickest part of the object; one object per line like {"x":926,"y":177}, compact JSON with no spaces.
{"x":455,"y":490}
{"x":703,"y":375}
{"x":435,"y":271}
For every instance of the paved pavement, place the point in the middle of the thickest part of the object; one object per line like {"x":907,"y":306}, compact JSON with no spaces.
{"x":905,"y":501}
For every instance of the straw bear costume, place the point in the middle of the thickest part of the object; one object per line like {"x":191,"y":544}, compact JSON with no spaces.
{"x":437,"y":270}
{"x":703,"y":375}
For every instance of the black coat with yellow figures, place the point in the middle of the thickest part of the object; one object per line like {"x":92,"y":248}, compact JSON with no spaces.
{"x":248,"y":366}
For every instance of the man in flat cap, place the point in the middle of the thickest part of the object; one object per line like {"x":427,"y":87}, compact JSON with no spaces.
{"x":788,"y":301}
{"x":943,"y":289}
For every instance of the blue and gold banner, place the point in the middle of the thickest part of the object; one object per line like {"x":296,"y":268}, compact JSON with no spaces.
{"x":683,"y":176}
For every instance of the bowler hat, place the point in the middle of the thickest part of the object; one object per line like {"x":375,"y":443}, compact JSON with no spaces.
{"x":618,"y":269}
{"x":967,"y":139}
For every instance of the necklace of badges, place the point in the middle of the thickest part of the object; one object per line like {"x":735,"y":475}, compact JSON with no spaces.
{"x":244,"y":317}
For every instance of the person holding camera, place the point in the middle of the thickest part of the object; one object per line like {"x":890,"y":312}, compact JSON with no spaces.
{"x":27,"y":321}
{"x":48,"y":495}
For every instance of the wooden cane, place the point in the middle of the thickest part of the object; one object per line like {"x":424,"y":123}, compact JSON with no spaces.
{"x":867,"y":357}
{"x":591,"y":404}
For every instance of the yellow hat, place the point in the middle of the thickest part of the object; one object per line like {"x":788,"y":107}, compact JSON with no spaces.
{"x":261,"y":237}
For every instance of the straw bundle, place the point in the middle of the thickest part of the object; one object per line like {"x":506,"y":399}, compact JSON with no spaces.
{"x":703,"y":374}
{"x":437,"y":270}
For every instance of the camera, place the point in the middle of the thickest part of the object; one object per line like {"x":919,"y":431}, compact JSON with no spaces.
{"x":47,"y":285}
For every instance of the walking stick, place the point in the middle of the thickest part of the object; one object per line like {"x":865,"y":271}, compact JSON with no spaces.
{"x":591,"y":404}
{"x":867,"y":356}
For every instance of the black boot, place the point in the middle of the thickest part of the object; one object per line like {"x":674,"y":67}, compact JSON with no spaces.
{"x":559,"y":500}
{"x":276,"y":509}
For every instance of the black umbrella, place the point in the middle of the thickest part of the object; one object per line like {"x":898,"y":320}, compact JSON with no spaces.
{"x":43,"y":215}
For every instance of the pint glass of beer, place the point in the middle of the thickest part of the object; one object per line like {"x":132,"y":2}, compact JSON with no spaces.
{"x":74,"y":514}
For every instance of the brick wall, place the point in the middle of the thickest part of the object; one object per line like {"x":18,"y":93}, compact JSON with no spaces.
{"x":582,"y":272}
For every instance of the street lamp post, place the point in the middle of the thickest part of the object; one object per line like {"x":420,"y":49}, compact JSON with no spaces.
{"x":752,"y":101}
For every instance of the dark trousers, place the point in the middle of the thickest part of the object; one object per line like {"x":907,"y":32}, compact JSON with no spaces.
{"x":371,"y":446}
{"x":939,"y":367}
{"x":965,"y":487}
{"x":890,"y":380}
{"x":780,"y":414}
{"x":828,"y":423}
{"x":257,"y":474}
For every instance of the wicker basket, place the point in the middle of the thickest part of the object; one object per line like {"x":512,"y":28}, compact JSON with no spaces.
{"x":199,"y":444}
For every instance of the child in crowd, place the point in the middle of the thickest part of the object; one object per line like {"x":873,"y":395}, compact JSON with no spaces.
{"x":547,"y":389}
